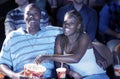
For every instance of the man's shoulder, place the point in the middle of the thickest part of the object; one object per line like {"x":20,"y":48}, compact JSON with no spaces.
{"x":52,"y":29}
{"x":110,"y":5}
{"x":13,"y":11}
{"x":17,"y":32}
{"x":66,"y":7}
{"x":88,"y":9}
{"x":105,"y":9}
{"x":61,"y":11}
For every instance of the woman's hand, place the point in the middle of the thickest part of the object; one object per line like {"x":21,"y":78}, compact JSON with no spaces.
{"x":42,"y":58}
{"x":39,"y":59}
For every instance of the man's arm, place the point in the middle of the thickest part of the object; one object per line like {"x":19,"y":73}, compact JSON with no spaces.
{"x":8,"y":72}
{"x":113,"y":33}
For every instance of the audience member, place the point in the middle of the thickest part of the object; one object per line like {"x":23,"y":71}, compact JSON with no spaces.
{"x":90,"y":19}
{"x":23,"y":45}
{"x":74,"y":47}
{"x":61,"y":3}
{"x":41,"y":3}
{"x":109,"y":24}
{"x":15,"y":18}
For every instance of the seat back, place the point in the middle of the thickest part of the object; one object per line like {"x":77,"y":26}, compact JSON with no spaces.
{"x":104,"y":51}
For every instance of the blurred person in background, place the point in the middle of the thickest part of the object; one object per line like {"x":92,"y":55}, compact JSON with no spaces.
{"x":109,"y":24}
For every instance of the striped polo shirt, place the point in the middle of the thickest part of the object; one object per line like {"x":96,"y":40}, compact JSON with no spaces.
{"x":20,"y":48}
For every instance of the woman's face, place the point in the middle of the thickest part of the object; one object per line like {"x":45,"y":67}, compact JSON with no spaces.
{"x":32,"y":18}
{"x":70,"y":25}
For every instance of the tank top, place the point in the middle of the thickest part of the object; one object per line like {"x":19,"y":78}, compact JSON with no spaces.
{"x":87,"y":65}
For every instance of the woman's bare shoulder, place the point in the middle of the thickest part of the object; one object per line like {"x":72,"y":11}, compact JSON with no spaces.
{"x":85,"y":37}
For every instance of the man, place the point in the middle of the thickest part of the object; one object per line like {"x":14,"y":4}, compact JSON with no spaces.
{"x":15,"y":18}
{"x":88,"y":14}
{"x":23,"y":45}
{"x":109,"y":24}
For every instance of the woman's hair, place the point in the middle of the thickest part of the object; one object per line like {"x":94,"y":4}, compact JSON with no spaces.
{"x":77,"y":16}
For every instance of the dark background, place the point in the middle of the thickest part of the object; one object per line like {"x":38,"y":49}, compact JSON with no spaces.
{"x":5,"y":6}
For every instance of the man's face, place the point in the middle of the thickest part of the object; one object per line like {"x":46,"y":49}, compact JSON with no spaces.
{"x":21,"y":2}
{"x":32,"y":17}
{"x":78,"y":1}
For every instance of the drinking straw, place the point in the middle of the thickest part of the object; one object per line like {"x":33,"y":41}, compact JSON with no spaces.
{"x":118,"y":60}
{"x":61,"y":64}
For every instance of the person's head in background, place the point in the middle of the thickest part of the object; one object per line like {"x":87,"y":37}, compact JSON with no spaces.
{"x":32,"y":17}
{"x":72,"y":23}
{"x":22,"y":4}
{"x":78,"y":1}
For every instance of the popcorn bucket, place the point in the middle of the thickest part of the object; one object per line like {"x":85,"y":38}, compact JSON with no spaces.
{"x":34,"y":71}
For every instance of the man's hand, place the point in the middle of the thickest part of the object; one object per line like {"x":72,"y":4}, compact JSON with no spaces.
{"x":102,"y":64}
{"x":75,"y":75}
{"x":16,"y":76}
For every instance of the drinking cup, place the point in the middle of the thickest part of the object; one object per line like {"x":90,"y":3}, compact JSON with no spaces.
{"x":61,"y":72}
{"x":117,"y":70}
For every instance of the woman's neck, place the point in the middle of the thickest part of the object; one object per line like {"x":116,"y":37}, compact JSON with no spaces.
{"x":73,"y":38}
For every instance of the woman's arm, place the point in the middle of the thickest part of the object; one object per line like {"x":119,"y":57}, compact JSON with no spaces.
{"x":79,"y":50}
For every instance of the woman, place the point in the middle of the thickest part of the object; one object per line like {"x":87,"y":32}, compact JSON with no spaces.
{"x":74,"y":47}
